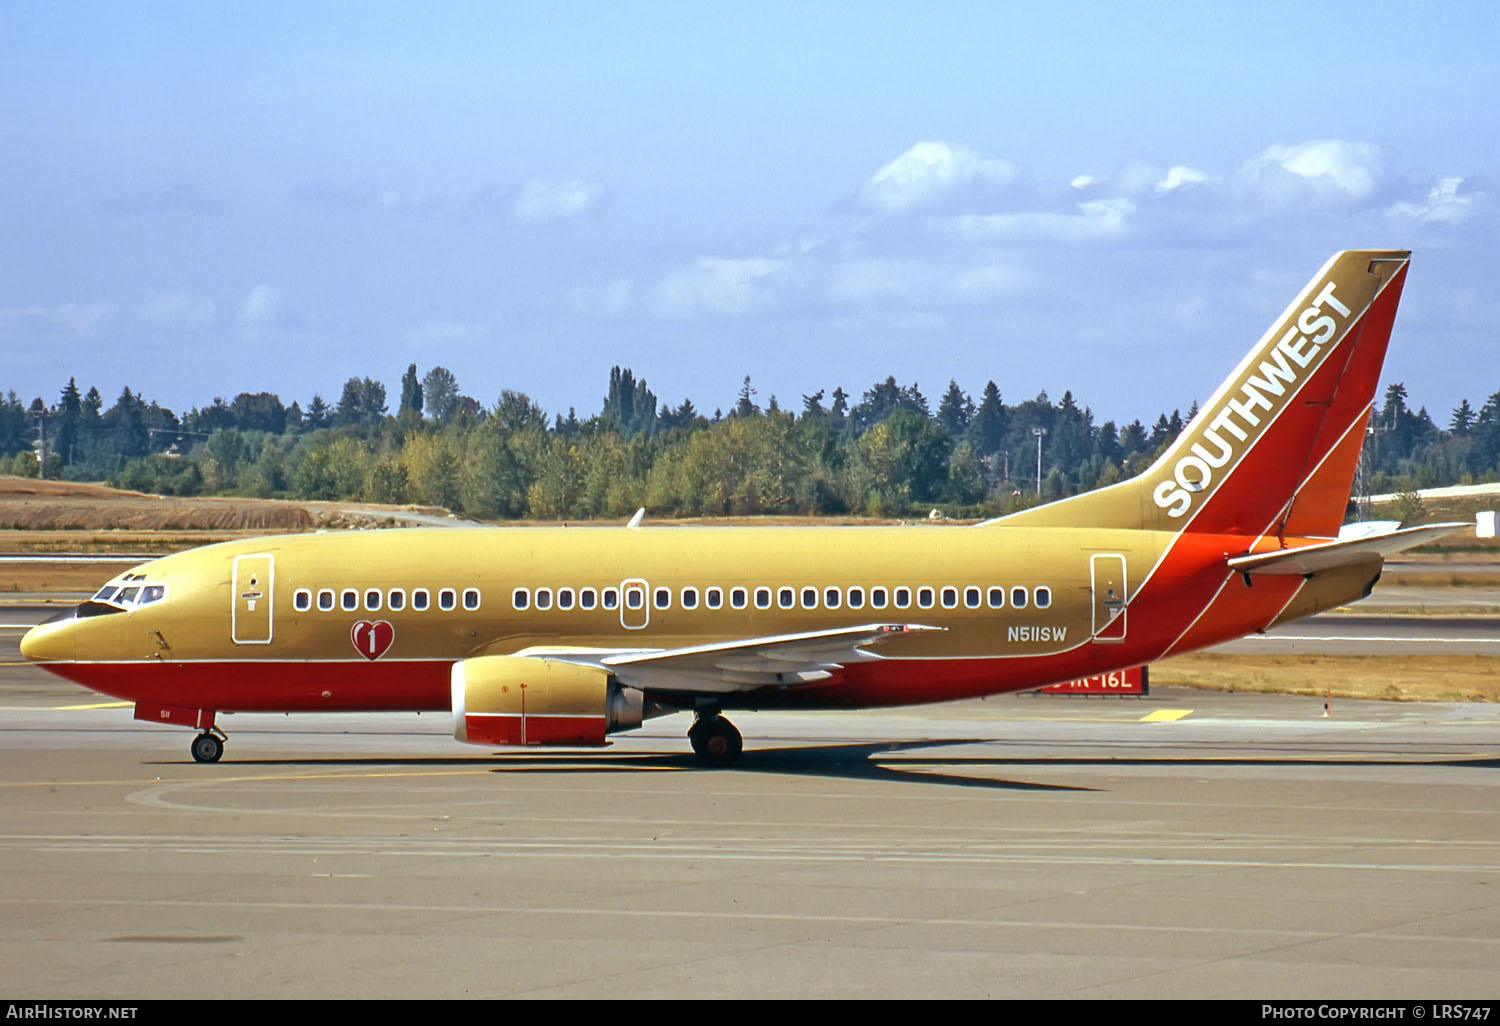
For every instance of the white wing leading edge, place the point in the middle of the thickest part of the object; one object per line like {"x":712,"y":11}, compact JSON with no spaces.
{"x":742,"y":664}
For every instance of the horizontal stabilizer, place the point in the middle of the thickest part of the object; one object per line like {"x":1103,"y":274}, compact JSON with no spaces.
{"x":1311,"y":559}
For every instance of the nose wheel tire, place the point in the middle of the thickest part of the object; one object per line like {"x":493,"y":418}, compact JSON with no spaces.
{"x":207,"y":748}
{"x":716,"y":741}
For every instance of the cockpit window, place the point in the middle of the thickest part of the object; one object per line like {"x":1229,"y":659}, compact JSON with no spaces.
{"x":92,"y":608}
{"x":114,"y":599}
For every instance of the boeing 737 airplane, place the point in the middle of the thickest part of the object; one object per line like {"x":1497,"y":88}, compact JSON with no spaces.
{"x":562,"y":636}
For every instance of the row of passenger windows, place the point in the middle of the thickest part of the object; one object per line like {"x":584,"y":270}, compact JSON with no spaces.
{"x":878,"y":597}
{"x":808,"y":597}
{"x":374,"y":599}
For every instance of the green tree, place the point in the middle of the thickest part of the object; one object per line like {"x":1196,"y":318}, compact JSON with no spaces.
{"x":411,"y":396}
{"x":440,"y":394}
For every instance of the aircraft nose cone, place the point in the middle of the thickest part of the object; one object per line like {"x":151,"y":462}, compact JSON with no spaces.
{"x":51,"y":641}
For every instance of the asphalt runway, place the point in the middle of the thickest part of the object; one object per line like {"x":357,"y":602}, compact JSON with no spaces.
{"x":1186,"y":845}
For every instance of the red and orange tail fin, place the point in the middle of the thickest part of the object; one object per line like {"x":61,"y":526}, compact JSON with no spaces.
{"x":1276,"y":447}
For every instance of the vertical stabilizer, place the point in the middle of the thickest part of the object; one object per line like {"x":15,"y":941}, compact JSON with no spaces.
{"x":1275,"y":448}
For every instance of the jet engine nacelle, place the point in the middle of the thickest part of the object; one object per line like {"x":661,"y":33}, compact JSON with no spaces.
{"x":525,"y":700}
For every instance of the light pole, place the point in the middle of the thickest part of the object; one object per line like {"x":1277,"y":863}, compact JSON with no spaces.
{"x":1040,"y":433}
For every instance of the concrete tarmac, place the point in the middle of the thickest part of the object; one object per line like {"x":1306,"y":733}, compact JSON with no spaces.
{"x":1186,"y":845}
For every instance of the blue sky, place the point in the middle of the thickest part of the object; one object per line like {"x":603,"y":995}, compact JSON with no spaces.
{"x":201,"y":199}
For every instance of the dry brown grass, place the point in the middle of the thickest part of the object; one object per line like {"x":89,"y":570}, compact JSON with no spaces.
{"x":1407,"y":678}
{"x":27,"y":504}
{"x":71,"y":516}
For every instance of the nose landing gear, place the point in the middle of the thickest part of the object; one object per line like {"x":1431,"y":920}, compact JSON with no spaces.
{"x":208,"y":746}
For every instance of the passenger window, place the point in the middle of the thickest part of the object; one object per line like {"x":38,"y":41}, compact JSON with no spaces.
{"x":924,"y":598}
{"x":349,"y":599}
{"x":663,"y":598}
{"x":1018,"y":598}
{"x":635,"y":597}
{"x":420,"y":599}
{"x":809,"y":598}
{"x":372,"y":598}
{"x":832,"y":597}
{"x":878,"y":599}
{"x":856,"y":598}
{"x":997,"y":598}
{"x":396,"y":599}
{"x":714,"y":598}
{"x":689,"y":598}
{"x":903,"y":598}
{"x":762,"y":598}
{"x":588,"y":598}
{"x":520,"y":598}
{"x":737,"y":598}
{"x":543,"y":598}
{"x":1042,"y":597}
{"x":564,"y":598}
{"x":611,"y":598}
{"x":325,"y":599}
{"x":950,"y":598}
{"x":786,"y":598}
{"x":471,"y":599}
{"x":448,"y":598}
{"x":301,"y":600}
{"x":972,"y":597}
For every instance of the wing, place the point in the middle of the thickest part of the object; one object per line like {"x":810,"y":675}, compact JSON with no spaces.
{"x":1310,"y":559}
{"x":741,"y":664}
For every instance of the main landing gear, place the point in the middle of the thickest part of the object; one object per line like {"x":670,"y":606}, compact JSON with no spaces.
{"x":715,"y":740}
{"x":208,"y":746}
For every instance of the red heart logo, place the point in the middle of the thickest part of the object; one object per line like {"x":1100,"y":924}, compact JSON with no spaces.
{"x":372,"y":638}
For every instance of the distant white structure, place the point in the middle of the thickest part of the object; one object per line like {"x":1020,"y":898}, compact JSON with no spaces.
{"x":1450,"y":492}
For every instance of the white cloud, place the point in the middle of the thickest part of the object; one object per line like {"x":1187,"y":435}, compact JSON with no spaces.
{"x":177,"y":308}
{"x":1136,"y":177}
{"x":67,"y":319}
{"x":929,"y":170}
{"x":1090,"y":221}
{"x":1180,"y":175}
{"x":1320,"y":171}
{"x":265,"y":309}
{"x":554,"y":201}
{"x":716,"y":285}
{"x":1443,"y":205}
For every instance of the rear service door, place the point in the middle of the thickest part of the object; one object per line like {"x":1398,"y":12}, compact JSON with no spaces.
{"x":1108,"y":573}
{"x":250,"y":617}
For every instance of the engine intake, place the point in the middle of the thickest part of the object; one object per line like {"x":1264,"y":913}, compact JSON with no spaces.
{"x":526,"y":700}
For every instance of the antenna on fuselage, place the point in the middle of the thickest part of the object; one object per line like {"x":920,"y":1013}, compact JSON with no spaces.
{"x":640,"y":515}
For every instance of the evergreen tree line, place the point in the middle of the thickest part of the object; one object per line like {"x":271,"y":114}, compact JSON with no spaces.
{"x":888,"y":454}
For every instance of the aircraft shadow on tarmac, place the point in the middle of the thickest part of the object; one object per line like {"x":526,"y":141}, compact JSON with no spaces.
{"x":862,"y":761}
{"x":849,"y":761}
